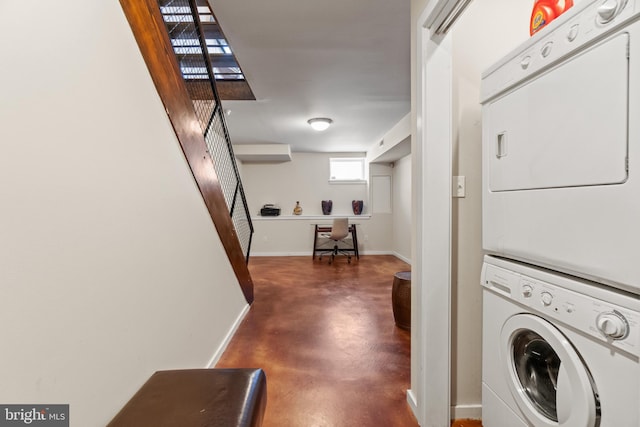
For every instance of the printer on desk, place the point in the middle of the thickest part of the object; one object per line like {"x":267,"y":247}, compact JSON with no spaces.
{"x":269,"y":210}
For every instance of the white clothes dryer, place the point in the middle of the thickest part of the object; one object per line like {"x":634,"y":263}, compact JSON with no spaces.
{"x":557,"y":351}
{"x":561,"y":146}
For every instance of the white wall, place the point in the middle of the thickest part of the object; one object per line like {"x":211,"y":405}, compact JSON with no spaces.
{"x":474,"y":49}
{"x":487,"y":30}
{"x":402,"y":233}
{"x":392,"y":142}
{"x":110,"y":266}
{"x":306,"y":179}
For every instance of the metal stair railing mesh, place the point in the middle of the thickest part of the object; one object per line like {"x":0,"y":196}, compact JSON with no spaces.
{"x":182,"y":21}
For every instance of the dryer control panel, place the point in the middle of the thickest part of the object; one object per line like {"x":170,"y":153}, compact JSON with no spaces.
{"x":611,"y":322}
{"x":578,"y":27}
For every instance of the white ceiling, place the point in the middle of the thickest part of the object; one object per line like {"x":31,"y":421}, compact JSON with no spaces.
{"x":348,"y":60}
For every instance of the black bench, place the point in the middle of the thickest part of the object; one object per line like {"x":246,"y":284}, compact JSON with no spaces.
{"x":197,"y":398}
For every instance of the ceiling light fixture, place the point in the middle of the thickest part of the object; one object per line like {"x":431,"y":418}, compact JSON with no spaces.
{"x":320,"y":123}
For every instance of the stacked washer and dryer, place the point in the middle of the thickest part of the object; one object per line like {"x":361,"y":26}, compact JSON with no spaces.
{"x":561,"y":224}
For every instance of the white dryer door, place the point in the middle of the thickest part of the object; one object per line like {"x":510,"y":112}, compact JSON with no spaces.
{"x":546,"y":376}
{"x":567,"y":127}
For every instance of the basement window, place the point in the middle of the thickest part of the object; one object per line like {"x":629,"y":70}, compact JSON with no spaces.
{"x":347,"y":170}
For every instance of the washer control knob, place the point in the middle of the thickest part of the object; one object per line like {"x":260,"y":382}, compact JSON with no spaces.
{"x":525,"y":62}
{"x":527,"y":291}
{"x":546,"y":49}
{"x":607,"y":11}
{"x":573,"y":32}
{"x":547,"y":299}
{"x":613,"y":325}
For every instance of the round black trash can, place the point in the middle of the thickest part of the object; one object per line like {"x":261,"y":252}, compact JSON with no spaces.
{"x":401,"y":299}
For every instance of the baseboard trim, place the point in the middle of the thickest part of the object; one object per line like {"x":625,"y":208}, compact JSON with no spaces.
{"x":307,"y":253}
{"x":471,"y":412}
{"x":413,"y":404}
{"x":377,"y":253}
{"x":402,"y":257}
{"x":227,"y":339}
{"x":267,"y":254}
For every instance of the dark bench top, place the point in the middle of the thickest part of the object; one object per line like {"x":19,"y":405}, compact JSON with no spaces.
{"x":197,"y":398}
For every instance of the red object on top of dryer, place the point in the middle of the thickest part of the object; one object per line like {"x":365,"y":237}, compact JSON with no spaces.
{"x":545,"y":11}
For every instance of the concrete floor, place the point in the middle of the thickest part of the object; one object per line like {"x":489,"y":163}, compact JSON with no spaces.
{"x":325,"y":336}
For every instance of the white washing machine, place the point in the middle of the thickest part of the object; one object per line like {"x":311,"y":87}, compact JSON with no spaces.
{"x":561,"y":146}
{"x":557,"y":351}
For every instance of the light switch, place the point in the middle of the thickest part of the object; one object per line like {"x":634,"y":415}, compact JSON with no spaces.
{"x":459,"y":187}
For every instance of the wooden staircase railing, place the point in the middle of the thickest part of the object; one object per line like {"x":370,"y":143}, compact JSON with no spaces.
{"x":151,"y":34}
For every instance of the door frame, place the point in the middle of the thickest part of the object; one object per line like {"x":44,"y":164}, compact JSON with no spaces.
{"x":430,"y":394}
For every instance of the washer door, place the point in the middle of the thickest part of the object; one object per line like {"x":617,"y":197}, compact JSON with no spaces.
{"x":546,"y":376}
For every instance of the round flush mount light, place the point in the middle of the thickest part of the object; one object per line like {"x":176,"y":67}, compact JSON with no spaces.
{"x":320,"y":123}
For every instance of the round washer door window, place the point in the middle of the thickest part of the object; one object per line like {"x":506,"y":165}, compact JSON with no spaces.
{"x":537,"y":365}
{"x":546,"y":376}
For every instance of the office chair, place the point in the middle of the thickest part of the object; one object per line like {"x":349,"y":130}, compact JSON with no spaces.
{"x":339,"y":231}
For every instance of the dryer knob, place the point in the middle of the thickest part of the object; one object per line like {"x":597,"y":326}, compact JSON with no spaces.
{"x":547,"y":299}
{"x":527,"y":291}
{"x":573,"y":32}
{"x":613,"y":325}
{"x":607,"y":11}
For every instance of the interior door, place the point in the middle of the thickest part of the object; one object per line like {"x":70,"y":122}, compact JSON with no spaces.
{"x":567,"y":127}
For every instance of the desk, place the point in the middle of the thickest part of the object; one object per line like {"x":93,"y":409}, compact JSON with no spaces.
{"x":327,"y":229}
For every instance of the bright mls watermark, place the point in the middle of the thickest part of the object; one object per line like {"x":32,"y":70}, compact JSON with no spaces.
{"x":34,"y":415}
